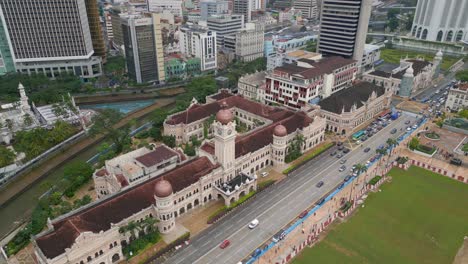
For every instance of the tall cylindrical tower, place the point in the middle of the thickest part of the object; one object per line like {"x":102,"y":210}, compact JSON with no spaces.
{"x":163,"y":195}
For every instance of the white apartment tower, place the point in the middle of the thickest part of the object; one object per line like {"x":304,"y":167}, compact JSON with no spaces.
{"x":308,"y":8}
{"x":343,"y":27}
{"x":200,"y":43}
{"x":250,"y":42}
{"x":43,"y":40}
{"x":441,"y":20}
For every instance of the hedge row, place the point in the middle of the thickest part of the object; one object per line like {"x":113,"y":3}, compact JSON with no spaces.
{"x":310,"y":156}
{"x":374,"y":180}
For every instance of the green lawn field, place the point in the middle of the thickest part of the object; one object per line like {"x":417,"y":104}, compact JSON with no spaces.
{"x":394,"y":56}
{"x":420,"y":217}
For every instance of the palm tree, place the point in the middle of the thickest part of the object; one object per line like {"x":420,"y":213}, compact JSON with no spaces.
{"x":299,"y":141}
{"x":361,"y":168}
{"x":391,"y":142}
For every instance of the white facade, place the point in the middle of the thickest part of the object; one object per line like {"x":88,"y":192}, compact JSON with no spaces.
{"x":213,"y":7}
{"x":249,"y":42}
{"x":457,"y":98}
{"x":200,"y":43}
{"x":308,"y":8}
{"x":225,"y":25}
{"x":174,"y":6}
{"x":370,"y":56}
{"x":445,"y":21}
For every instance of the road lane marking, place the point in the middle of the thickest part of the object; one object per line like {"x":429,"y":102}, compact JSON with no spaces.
{"x":305,"y":181}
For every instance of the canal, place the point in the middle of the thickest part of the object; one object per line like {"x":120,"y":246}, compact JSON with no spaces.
{"x":17,"y":211}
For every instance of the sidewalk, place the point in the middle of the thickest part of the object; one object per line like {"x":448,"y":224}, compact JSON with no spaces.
{"x":16,"y":186}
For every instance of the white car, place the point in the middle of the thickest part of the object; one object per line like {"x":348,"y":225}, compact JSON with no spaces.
{"x":408,"y":129}
{"x":264,"y":174}
{"x":253,"y":224}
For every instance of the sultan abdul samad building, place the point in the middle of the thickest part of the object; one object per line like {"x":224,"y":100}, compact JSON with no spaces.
{"x":223,"y":169}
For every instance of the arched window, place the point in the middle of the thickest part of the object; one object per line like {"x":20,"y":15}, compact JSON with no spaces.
{"x":414,"y":31}
{"x":440,"y":35}
{"x":459,"y":36}
{"x":89,"y":259}
{"x":419,"y":32}
{"x":424,"y":34}
{"x":449,"y":36}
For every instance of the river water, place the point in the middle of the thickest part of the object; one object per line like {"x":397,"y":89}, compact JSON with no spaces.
{"x":19,"y":210}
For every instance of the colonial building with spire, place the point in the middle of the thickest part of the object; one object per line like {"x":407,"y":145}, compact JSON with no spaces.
{"x":405,"y":82}
{"x":350,"y":108}
{"x":224,"y":169}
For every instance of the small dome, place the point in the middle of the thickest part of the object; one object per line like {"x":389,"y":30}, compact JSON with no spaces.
{"x":162,"y":189}
{"x":410,"y":70}
{"x":280,"y":131}
{"x":439,"y":53}
{"x":224,"y":116}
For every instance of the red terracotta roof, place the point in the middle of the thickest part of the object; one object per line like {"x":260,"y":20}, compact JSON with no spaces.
{"x":102,"y":172}
{"x":209,"y":148}
{"x":198,"y":112}
{"x":262,"y":137}
{"x":123,"y":182}
{"x":159,"y":154}
{"x":117,"y":208}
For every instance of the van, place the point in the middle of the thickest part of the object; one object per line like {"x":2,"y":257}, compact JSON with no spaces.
{"x":253,"y":224}
{"x":279,"y":236}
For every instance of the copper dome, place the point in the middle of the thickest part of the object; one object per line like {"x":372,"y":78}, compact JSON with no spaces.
{"x":162,"y":189}
{"x":280,"y":131}
{"x":224,"y":116}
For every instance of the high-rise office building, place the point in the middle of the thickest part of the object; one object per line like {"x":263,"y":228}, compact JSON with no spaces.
{"x":243,"y":7}
{"x":51,"y":37}
{"x":143,"y":47}
{"x":225,"y":25}
{"x":247,"y":44}
{"x":200,"y":43}
{"x":308,"y":8}
{"x":6,"y":59}
{"x":213,"y":7}
{"x":343,"y":27}
{"x":95,"y":28}
{"x":441,"y":20}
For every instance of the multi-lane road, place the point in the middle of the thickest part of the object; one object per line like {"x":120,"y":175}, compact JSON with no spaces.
{"x":278,"y":205}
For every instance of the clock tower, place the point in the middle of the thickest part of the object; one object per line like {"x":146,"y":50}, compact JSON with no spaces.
{"x":225,"y":138}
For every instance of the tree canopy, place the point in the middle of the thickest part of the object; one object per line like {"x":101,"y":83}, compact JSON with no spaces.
{"x":7,"y":157}
{"x":104,"y":123}
{"x":39,"y":88}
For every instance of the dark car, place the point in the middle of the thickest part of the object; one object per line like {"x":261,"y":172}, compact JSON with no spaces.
{"x":256,"y":253}
{"x":407,"y":122}
{"x":345,"y":150}
{"x":340,"y":186}
{"x":456,"y":161}
{"x":339,"y":143}
{"x":303,"y":214}
{"x":366,"y":150}
{"x":333,"y":153}
{"x":347,"y":178}
{"x":321,"y":201}
{"x":393,"y":131}
{"x":340,"y":147}
{"x":319,"y":184}
{"x":339,"y":156}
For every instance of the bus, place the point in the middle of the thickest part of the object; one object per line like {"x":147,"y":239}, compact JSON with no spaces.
{"x":358,"y":135}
